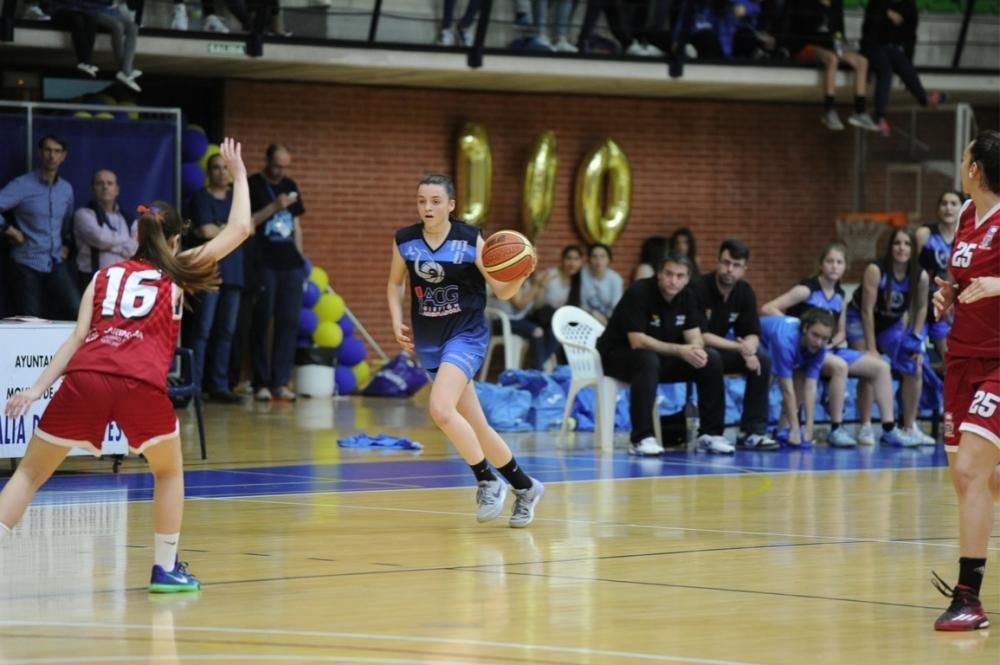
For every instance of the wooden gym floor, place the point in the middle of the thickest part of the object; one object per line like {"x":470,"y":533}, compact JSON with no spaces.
{"x":311,"y":553}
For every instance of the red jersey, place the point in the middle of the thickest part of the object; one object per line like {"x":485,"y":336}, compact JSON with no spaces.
{"x":976,"y":253}
{"x":134,"y":325}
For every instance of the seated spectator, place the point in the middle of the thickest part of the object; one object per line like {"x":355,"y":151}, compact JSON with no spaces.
{"x":654,"y":336}
{"x":797,"y":348}
{"x":732,"y":327}
{"x":887,"y":315}
{"x":816,"y":36}
{"x":541,"y":340}
{"x":124,"y":33}
{"x":558,"y":286}
{"x":682,"y":240}
{"x":627,"y":21}
{"x":210,"y":21}
{"x":82,"y":27}
{"x":600,"y":285}
{"x":104,"y":233}
{"x":215,"y":318}
{"x":40,"y":236}
{"x":653,"y":249}
{"x":725,"y":29}
{"x":888,"y":38}
{"x":464,"y":33}
{"x":823,"y":290}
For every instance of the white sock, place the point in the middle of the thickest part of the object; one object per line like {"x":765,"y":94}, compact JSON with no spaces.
{"x":165,"y":549}
{"x":4,"y":530}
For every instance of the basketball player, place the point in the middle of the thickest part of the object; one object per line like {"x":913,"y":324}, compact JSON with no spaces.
{"x":972,"y":377}
{"x":887,"y":315}
{"x":823,"y":290}
{"x":450,"y":335}
{"x":934,"y":242}
{"x":115,"y":365}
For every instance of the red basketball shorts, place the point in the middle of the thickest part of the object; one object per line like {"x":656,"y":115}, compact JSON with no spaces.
{"x":86,"y":402}
{"x":971,"y":400}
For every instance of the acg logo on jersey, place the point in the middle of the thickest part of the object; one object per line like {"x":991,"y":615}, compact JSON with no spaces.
{"x":440,"y":301}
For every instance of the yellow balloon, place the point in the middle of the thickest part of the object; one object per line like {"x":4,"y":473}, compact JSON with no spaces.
{"x":212,"y":149}
{"x":328,"y":334}
{"x":83,"y":114}
{"x":474,"y":174}
{"x":132,"y":115}
{"x":600,"y":222}
{"x":104,"y":115}
{"x":539,"y":184}
{"x":362,"y":373}
{"x":330,"y":307}
{"x":319,"y":277}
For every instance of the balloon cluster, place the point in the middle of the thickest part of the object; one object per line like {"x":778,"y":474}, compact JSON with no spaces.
{"x":105,"y":99}
{"x":324,"y":322}
{"x":195,"y":153}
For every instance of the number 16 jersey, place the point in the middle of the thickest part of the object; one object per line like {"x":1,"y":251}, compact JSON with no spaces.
{"x":134,"y":324}
{"x":976,"y":253}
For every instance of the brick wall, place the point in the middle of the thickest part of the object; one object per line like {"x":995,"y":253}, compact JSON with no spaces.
{"x":768,"y":174}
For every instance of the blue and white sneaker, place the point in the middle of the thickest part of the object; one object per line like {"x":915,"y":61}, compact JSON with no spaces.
{"x":490,"y":497}
{"x":524,"y":504}
{"x":757,"y":442}
{"x":897,"y":438}
{"x":839,"y":438}
{"x":173,"y":581}
{"x":718,"y":445}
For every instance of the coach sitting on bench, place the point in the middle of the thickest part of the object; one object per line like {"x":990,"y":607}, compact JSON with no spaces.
{"x":654,"y":336}
{"x":732,"y":326}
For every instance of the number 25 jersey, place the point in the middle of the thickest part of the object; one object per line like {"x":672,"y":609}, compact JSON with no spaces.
{"x":134,"y":324}
{"x":976,"y":253}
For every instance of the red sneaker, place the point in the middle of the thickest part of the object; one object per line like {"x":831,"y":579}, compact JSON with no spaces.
{"x":965,"y":611}
{"x":884,"y":128}
{"x":936,"y":98}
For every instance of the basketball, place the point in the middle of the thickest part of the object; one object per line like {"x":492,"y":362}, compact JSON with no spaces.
{"x":508,"y":255}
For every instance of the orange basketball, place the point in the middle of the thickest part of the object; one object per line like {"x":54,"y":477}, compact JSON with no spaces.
{"x":508,"y":255}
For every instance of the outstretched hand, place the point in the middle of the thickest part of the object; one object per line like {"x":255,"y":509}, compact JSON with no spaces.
{"x":18,"y":404}
{"x":232,"y":154}
{"x":979,"y":288}
{"x":943,"y":298}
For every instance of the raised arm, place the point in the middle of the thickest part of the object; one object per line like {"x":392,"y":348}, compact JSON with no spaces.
{"x":239,"y":226}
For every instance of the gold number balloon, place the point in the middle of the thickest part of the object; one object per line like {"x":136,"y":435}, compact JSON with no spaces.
{"x":474,"y":174}
{"x":539,"y":184}
{"x":603,"y":193}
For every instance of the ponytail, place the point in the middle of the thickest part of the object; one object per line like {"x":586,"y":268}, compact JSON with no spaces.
{"x":157,"y":225}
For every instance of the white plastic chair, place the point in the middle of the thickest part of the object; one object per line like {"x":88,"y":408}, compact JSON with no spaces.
{"x":513,"y":345}
{"x":578,"y":332}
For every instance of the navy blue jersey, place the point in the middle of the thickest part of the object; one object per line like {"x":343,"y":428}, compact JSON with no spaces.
{"x":817,"y":298}
{"x":935,"y":254}
{"x":448,"y":291}
{"x":892,"y":302}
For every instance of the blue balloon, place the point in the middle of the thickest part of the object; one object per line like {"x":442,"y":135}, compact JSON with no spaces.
{"x":194,"y":143}
{"x":347,"y":325}
{"x":344,"y":380}
{"x":351,"y":352}
{"x":310,"y":294}
{"x":192,"y":178}
{"x":307,"y":322}
{"x":308,"y":268}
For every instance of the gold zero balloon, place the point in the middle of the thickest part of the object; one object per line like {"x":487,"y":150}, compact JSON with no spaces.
{"x":603,"y":193}
{"x":474,"y":174}
{"x":539,"y":184}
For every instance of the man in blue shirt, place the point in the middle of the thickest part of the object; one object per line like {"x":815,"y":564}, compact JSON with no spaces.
{"x":42,"y":204}
{"x":797,"y":348}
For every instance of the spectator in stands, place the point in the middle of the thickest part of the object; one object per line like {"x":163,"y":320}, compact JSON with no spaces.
{"x":40,"y":237}
{"x":210,"y":21}
{"x":732,"y":327}
{"x":627,"y":21}
{"x":726,"y":29}
{"x":652,"y":251}
{"x":541,"y":340}
{"x":82,"y":27}
{"x":815,"y":35}
{"x":600,"y":285}
{"x":797,"y":348}
{"x":104,"y":233}
{"x":682,"y":240}
{"x":465,"y":32}
{"x":558,"y":286}
{"x":823,"y":290}
{"x":888,"y":37}
{"x":886,"y":316}
{"x":215,"y":320}
{"x":124,"y":33}
{"x":934,"y":243}
{"x":277,"y":207}
{"x":654,"y":336}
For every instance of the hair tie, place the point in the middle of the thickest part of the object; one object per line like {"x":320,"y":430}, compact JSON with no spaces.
{"x":153,"y":211}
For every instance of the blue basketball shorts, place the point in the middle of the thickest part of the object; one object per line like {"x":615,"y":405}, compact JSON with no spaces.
{"x":465,"y":351}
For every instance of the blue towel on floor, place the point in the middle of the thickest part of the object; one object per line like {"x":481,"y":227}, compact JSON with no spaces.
{"x":363,"y":440}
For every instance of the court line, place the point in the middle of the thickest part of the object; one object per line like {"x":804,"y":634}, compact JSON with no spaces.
{"x":657,"y":527}
{"x":579,"y":651}
{"x":239,"y":658}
